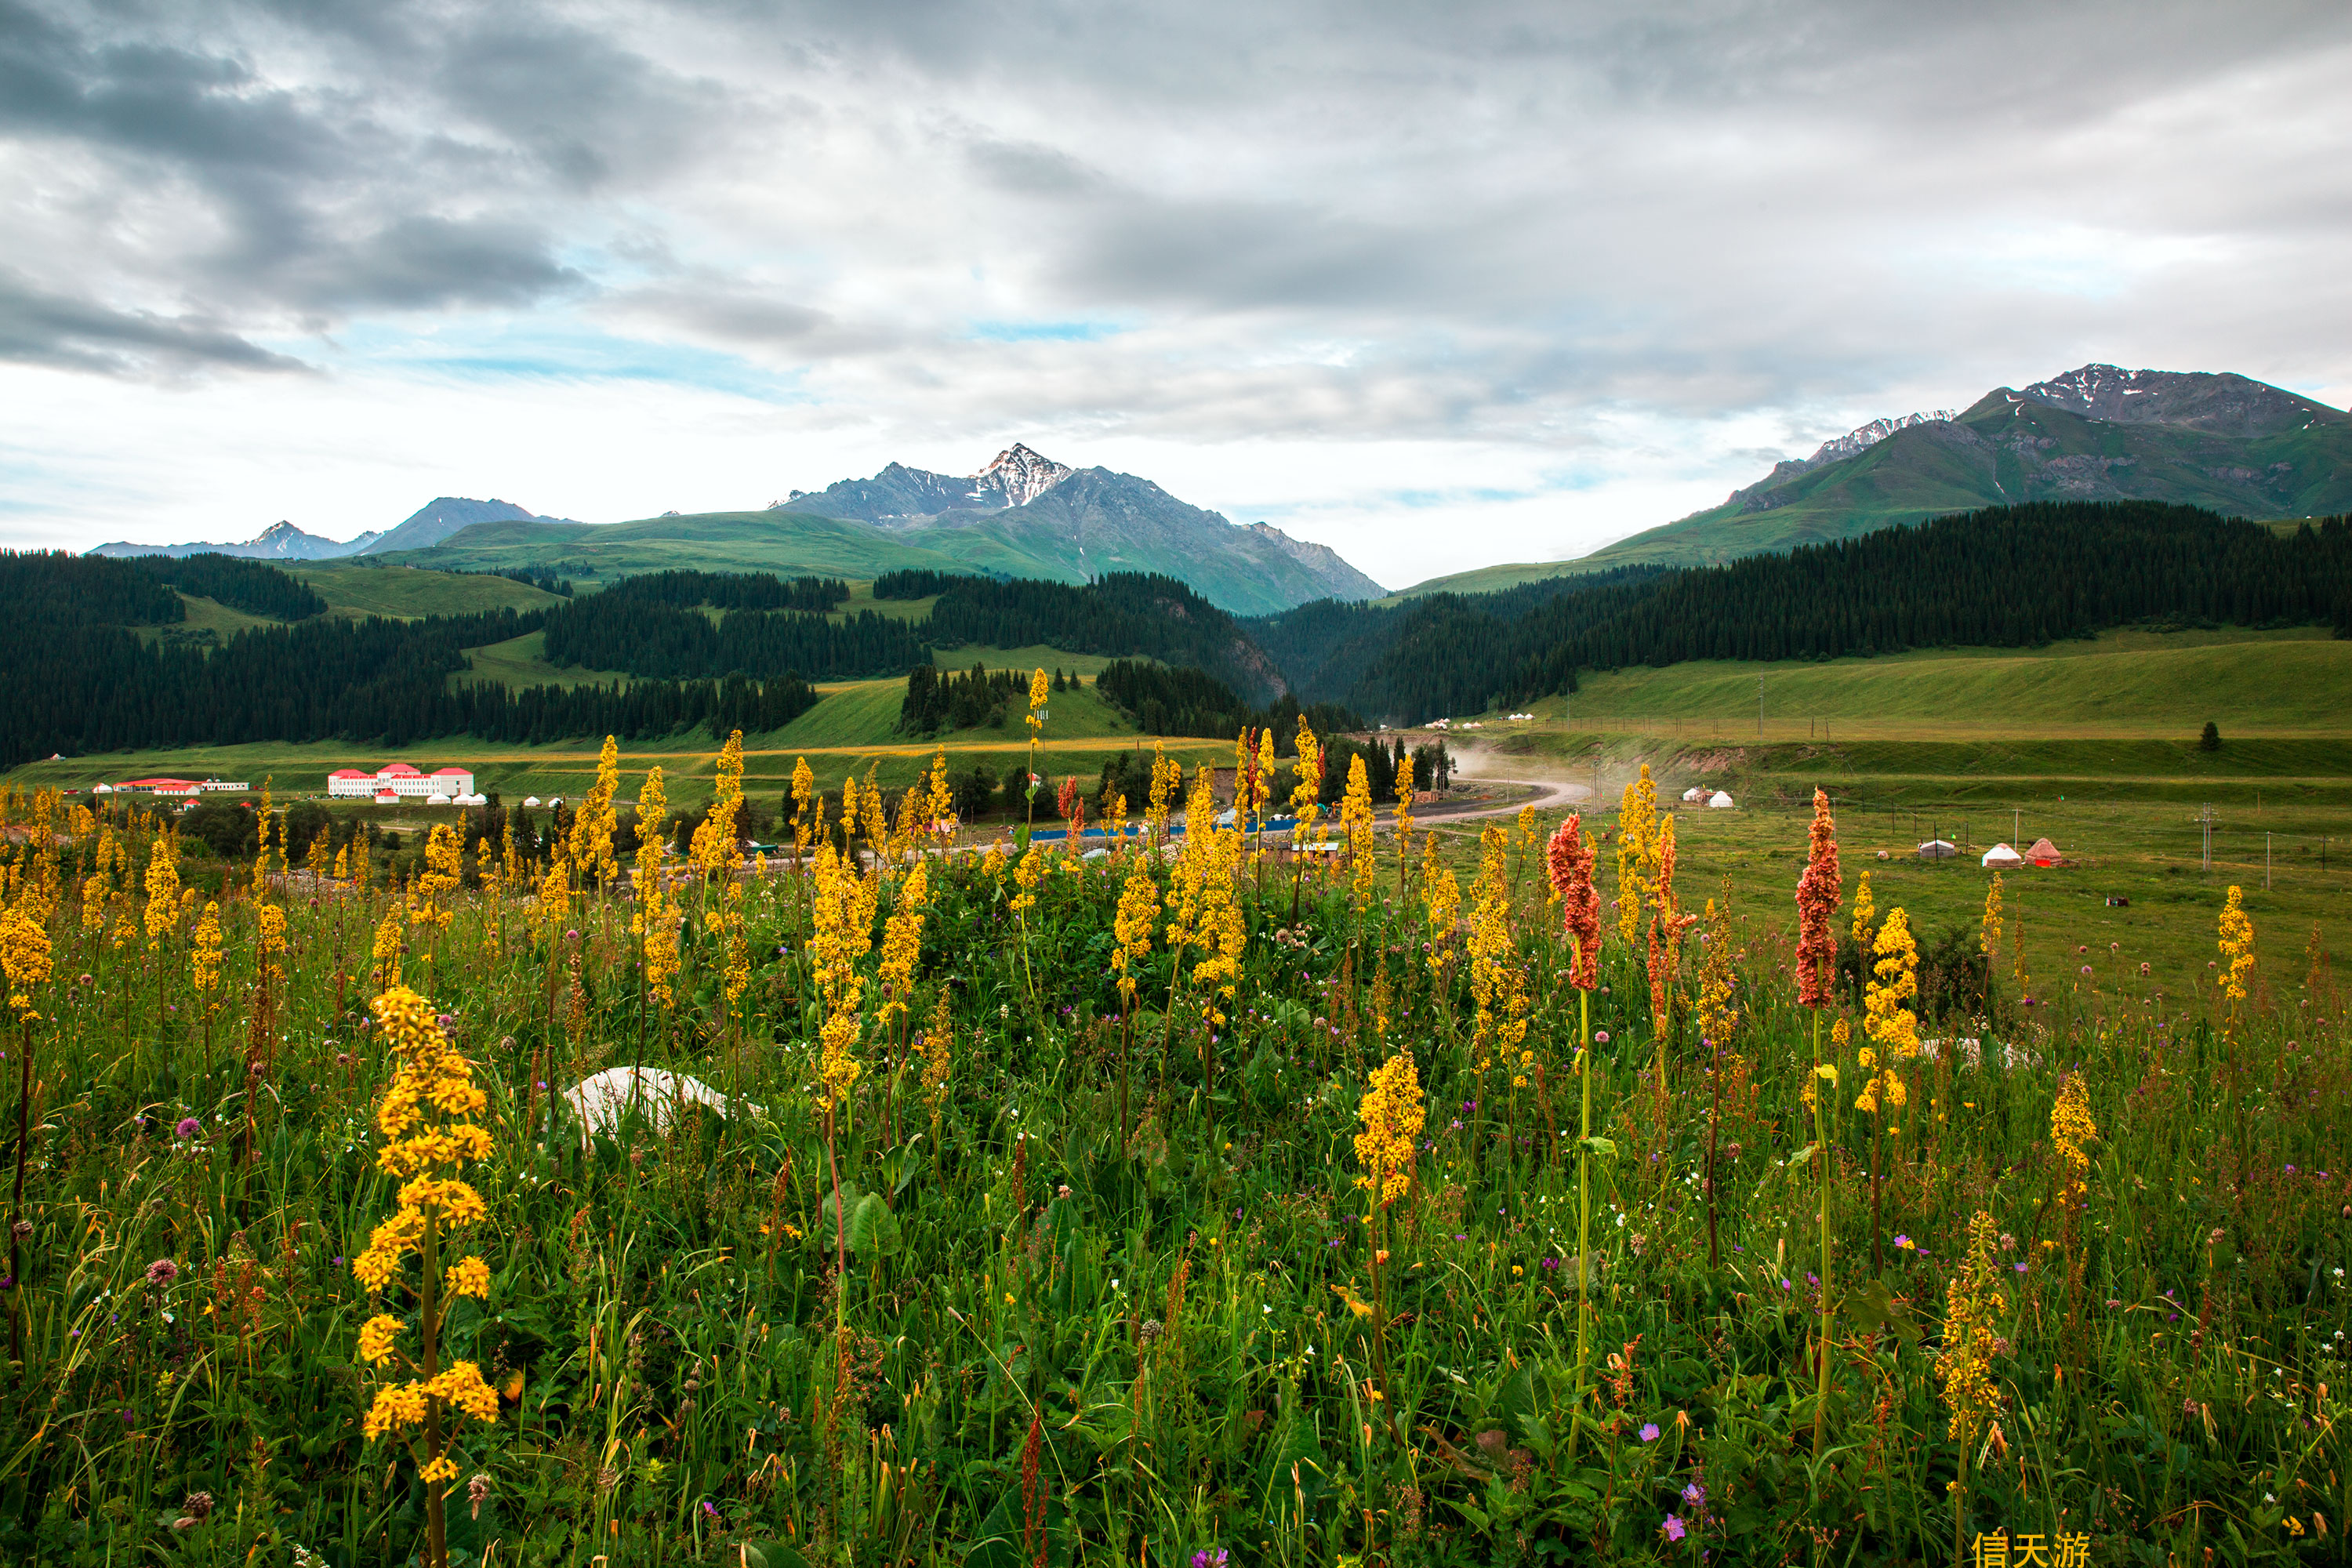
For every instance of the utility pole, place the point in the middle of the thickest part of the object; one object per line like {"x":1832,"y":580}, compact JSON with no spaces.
{"x":1760,"y":707}
{"x":2205,"y":819}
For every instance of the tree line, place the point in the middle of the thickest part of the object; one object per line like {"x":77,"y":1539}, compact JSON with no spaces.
{"x":2000,"y":577}
{"x":84,"y":682}
{"x":1170,"y":701}
{"x":731,"y":591}
{"x":613,"y":631}
{"x":57,"y":587}
{"x":1122,"y":613}
{"x":950,"y":699}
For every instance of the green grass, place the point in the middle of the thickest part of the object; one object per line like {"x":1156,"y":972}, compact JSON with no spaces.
{"x":2123,"y":847}
{"x":522,"y":661}
{"x":403,"y":593}
{"x":1493,"y":579}
{"x":2122,"y":683}
{"x":789,"y":543}
{"x":1036,"y":657}
{"x":208,"y":621}
{"x":861,"y":597}
{"x":1113,"y":1292}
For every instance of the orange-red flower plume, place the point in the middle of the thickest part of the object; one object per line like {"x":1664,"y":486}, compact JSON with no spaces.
{"x":1817,"y":900}
{"x":1569,"y":858}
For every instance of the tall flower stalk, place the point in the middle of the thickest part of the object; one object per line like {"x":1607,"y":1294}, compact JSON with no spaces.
{"x":423,"y":1115}
{"x":1040,"y":689}
{"x":1393,"y":1115}
{"x":1817,"y":900}
{"x":1973,"y":1305}
{"x":843,"y":931}
{"x":24,"y":956}
{"x":1568,"y":860}
{"x":1139,"y":909}
{"x":1893,"y":1033}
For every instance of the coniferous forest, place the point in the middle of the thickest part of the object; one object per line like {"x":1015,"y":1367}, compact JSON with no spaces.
{"x":88,"y":683}
{"x":2002,"y":578}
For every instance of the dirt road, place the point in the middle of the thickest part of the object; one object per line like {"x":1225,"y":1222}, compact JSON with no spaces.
{"x":1554,"y":788}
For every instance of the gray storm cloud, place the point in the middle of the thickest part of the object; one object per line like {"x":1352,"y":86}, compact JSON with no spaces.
{"x":1209,"y":223}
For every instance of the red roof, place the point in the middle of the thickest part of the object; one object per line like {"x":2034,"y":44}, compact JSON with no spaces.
{"x":397,"y":770}
{"x":157,"y":784}
{"x":453,"y":773}
{"x":385,"y":794}
{"x":350,"y":773}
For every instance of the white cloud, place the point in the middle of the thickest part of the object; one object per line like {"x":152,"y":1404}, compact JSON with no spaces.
{"x":1438,"y":287}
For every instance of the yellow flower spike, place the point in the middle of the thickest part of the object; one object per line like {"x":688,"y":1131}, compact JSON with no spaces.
{"x":470,"y":1276}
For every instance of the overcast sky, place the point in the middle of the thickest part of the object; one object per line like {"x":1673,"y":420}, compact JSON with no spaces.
{"x":1436,"y":285}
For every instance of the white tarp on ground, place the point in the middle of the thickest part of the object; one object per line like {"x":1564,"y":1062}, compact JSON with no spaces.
{"x":600,"y":1101}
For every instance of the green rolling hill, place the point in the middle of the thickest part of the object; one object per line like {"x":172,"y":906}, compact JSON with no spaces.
{"x":1023,"y":515}
{"x":406,"y":593}
{"x":776,"y":540}
{"x":2235,"y":445}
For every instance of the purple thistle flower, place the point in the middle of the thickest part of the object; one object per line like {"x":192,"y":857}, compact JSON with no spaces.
{"x":162,"y":1271}
{"x":188,"y":1128}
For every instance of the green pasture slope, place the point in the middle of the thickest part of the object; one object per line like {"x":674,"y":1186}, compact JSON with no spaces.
{"x":207,"y":617}
{"x":780,"y":541}
{"x":406,"y":593}
{"x":2296,"y":682}
{"x":522,"y":661}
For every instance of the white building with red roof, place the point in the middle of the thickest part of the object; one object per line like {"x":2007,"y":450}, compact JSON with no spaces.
{"x":397,"y":781}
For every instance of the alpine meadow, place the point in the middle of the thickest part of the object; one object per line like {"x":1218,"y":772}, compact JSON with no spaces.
{"x":1222,"y":785}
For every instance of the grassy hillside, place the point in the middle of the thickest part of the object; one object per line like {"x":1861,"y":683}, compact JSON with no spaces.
{"x":865,"y":713}
{"x":2004,"y":451}
{"x":786,"y":543}
{"x":207,"y":621}
{"x":2121,"y":683}
{"x":1038,"y":656}
{"x":406,"y":593}
{"x":1494,"y":579}
{"x":522,"y":661}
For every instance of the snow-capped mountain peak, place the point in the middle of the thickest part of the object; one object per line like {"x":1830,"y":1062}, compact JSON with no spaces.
{"x":2084,"y":388}
{"x":1872,"y":434}
{"x":1021,"y":475}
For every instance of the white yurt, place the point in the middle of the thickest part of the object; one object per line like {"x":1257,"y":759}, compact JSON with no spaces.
{"x":1938,"y":849}
{"x":1693,"y":794}
{"x":531,"y":800}
{"x":2001,"y":855}
{"x":1720,"y":800}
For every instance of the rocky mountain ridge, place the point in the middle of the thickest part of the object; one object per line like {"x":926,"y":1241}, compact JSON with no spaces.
{"x":282,"y":541}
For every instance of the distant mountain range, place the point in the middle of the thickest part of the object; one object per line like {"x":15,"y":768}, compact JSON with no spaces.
{"x":278,"y":541}
{"x":2225,"y":442}
{"x":423,"y":527}
{"x":1022,"y":515}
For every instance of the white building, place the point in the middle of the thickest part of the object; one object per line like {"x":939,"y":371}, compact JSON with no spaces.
{"x":397,"y":780}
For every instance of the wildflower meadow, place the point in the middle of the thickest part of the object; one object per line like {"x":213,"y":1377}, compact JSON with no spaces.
{"x":1365,"y":1192}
